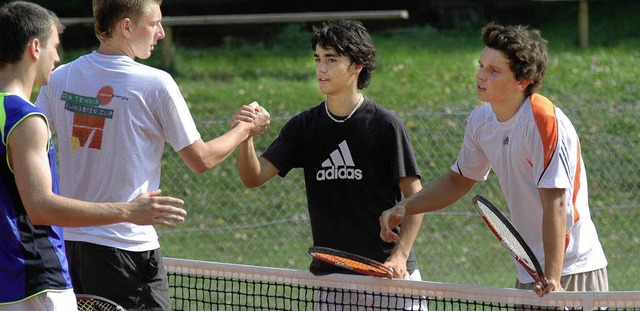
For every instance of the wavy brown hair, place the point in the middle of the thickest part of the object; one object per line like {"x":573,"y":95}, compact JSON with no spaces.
{"x":525,"y":49}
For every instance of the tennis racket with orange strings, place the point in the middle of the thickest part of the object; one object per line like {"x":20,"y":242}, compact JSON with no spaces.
{"x":351,"y":261}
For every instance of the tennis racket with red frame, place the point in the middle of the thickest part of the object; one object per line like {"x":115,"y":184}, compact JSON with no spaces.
{"x":510,"y":238}
{"x":351,"y":261}
{"x":96,"y":303}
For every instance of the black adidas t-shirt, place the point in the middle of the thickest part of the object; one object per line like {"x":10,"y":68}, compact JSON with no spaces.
{"x":351,"y":174}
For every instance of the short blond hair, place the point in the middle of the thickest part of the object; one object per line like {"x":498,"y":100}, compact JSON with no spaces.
{"x":107,"y":14}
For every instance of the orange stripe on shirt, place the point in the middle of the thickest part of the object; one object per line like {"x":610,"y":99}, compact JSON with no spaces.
{"x":576,"y":185}
{"x":545,"y":116}
{"x":547,"y":124}
{"x":576,"y":190}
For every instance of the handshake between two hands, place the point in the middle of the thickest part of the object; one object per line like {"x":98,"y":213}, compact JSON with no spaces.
{"x":254,"y":116}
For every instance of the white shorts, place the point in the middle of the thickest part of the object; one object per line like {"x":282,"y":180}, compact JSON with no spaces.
{"x":337,"y":300}
{"x":64,"y":300}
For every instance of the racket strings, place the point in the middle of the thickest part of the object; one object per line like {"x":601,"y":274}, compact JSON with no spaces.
{"x":96,"y":305}
{"x":354,"y":265}
{"x":507,"y":238}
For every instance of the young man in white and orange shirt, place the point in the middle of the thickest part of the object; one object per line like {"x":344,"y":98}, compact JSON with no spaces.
{"x":534,"y":150}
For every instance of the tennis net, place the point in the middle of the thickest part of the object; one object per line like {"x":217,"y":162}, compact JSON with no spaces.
{"x":202,"y":285}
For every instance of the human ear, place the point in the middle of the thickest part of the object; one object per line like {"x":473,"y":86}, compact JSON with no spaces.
{"x":125,"y":27}
{"x":33,"y":49}
{"x":358,"y":67}
{"x":523,"y":84}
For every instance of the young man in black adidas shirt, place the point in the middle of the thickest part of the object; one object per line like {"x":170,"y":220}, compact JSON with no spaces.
{"x":357,"y":158}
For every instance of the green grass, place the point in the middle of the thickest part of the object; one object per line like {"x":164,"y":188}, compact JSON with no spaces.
{"x":427,"y":76}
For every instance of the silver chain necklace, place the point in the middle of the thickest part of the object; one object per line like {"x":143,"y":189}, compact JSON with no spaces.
{"x":360,"y":101}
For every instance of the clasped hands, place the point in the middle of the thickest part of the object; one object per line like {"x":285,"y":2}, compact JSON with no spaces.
{"x":253,"y":115}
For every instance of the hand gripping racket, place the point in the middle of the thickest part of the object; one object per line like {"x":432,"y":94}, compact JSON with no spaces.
{"x":351,"y":261}
{"x":96,"y":303}
{"x":510,"y":238}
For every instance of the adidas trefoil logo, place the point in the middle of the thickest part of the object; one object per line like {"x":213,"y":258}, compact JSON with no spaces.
{"x":339,"y":165}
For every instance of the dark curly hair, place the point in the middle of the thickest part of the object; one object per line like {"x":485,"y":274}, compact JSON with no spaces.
{"x":349,"y":38}
{"x":524,"y":47}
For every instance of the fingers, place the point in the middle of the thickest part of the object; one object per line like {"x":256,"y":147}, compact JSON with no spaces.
{"x":253,"y":114}
{"x":550,"y":286}
{"x":170,"y":218}
{"x":152,"y":209}
{"x":398,"y":273}
{"x":167,"y":215}
{"x":168,"y":201}
{"x":390,"y":219}
{"x":399,"y":269}
{"x":386,"y":234}
{"x":245,"y":114}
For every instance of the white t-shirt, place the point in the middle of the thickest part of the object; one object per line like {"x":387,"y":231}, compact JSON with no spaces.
{"x":536,"y":148}
{"x":112,"y":117}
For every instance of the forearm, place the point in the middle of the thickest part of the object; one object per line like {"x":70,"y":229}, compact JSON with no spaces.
{"x":55,"y":210}
{"x":408,"y":233}
{"x":201,"y":156}
{"x":553,"y":231}
{"x":438,"y":194}
{"x":248,"y":163}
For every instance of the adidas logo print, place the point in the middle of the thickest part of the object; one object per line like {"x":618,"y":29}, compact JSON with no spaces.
{"x":339,"y":165}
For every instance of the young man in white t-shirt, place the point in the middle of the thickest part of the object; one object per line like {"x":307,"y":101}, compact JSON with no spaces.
{"x":112,"y":117}
{"x":535,"y":151}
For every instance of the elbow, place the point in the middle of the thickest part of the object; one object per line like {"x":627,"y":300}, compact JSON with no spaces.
{"x":251,"y":180}
{"x":199,"y":169}
{"x":200,"y":166}
{"x":251,"y":183}
{"x":38,"y":219}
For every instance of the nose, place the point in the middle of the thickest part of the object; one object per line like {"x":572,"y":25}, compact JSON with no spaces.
{"x":321,"y":66}
{"x":161,"y":33}
{"x":480,"y":75}
{"x":56,"y":59}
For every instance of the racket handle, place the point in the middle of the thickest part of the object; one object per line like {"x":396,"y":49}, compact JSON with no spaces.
{"x":544,"y":283}
{"x":254,"y":104}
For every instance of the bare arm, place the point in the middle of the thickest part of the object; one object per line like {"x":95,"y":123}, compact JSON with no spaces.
{"x":410,"y":228}
{"x":29,"y":160}
{"x":553,"y":236}
{"x":438,"y":194}
{"x":202,"y":156}
{"x":253,"y":170}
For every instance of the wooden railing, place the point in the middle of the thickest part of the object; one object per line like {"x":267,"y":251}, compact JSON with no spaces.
{"x":583,"y":21}
{"x":169,"y":22}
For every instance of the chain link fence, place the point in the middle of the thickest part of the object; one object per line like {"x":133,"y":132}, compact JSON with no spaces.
{"x":269,"y":226}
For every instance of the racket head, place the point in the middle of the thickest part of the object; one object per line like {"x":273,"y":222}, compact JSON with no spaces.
{"x":353,"y":262}
{"x":96,"y":303}
{"x":510,"y":238}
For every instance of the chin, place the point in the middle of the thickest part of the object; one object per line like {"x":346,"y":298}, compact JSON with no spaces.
{"x":481,"y":97}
